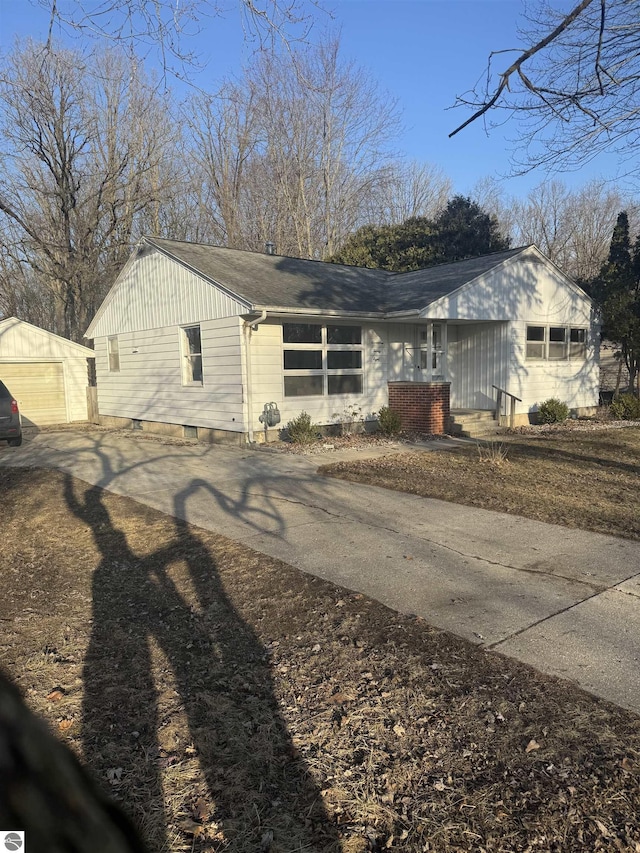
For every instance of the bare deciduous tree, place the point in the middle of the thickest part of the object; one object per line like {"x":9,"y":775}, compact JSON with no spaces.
{"x":406,"y":190}
{"x":572,"y":227}
{"x":293,"y":152}
{"x":576,"y":87}
{"x":82,"y":145}
{"x":164,"y":28}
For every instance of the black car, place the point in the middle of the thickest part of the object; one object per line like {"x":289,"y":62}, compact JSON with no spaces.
{"x":10,"y":426}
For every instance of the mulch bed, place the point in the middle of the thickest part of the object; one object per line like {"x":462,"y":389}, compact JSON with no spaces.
{"x":232,"y":703}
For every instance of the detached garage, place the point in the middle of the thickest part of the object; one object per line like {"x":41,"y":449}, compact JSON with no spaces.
{"x":47,"y":374}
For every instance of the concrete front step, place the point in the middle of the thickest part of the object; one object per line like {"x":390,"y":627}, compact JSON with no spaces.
{"x":473,"y":423}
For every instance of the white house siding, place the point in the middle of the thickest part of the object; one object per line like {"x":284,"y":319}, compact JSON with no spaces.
{"x":575,"y":383}
{"x":401,"y":357}
{"x":155,"y":292}
{"x":268,"y":377}
{"x":24,"y":344}
{"x":148,"y":386}
{"x":522,"y":293}
{"x":477,"y":358}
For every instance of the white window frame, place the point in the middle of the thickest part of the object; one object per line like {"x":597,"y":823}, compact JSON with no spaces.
{"x":432,"y":351}
{"x":113,"y":354}
{"x":571,"y":350}
{"x":325,"y":372}
{"x":581,"y":353}
{"x":187,"y":357}
{"x":558,"y":346}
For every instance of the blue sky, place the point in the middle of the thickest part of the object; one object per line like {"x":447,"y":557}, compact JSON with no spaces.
{"x":424,"y":52}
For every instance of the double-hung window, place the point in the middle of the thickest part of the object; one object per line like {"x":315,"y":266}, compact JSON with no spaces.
{"x":578,"y":343}
{"x":556,"y":343}
{"x":114,"y":354}
{"x":191,"y":355}
{"x":321,"y":359}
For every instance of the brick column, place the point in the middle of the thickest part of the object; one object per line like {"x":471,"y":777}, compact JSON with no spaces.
{"x":423,"y":406}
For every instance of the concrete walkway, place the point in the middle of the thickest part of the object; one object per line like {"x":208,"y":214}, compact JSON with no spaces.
{"x":566,"y":601}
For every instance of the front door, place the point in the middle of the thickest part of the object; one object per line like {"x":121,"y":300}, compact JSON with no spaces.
{"x":425,"y":358}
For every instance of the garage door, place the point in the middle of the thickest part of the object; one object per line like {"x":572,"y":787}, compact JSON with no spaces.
{"x":39,"y":389}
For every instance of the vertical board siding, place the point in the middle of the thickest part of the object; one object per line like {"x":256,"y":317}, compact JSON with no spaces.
{"x":22,"y":340}
{"x":156,"y":292}
{"x":149,"y":383}
{"x":477,"y":360}
{"x":268,"y":378}
{"x":401,"y":358}
{"x":519,"y":294}
{"x":517,"y":290}
{"x":76,"y":381}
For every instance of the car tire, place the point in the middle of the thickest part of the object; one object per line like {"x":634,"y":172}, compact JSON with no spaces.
{"x":15,"y":442}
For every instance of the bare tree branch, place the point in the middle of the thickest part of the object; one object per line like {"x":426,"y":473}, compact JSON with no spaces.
{"x":524,"y":57}
{"x":575,"y":93}
{"x":166,"y":26}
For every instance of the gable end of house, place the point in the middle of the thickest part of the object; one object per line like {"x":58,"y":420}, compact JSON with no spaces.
{"x":155,"y":290}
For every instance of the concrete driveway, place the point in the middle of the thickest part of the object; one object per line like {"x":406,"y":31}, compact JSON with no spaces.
{"x":565,"y":601}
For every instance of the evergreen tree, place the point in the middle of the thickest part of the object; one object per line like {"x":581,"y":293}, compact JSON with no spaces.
{"x":617,"y":293}
{"x":462,"y":230}
{"x":465,"y":230}
{"x":399,"y":248}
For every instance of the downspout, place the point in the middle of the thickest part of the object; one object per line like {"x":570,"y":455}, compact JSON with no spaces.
{"x":249,"y":326}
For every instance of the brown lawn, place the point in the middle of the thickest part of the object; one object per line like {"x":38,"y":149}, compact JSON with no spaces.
{"x":231,"y":703}
{"x":587,"y":479}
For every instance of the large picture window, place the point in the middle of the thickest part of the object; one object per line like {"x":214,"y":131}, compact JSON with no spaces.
{"x":321,"y":359}
{"x":556,"y":343}
{"x":191,"y":355}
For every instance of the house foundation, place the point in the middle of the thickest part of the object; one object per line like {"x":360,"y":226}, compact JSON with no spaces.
{"x":422,"y":406}
{"x":169,"y":430}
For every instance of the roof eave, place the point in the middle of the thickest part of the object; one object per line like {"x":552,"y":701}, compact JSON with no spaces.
{"x":317,"y":312}
{"x":399,"y":315}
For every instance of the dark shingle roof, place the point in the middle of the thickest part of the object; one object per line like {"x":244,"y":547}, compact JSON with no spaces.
{"x":416,"y":290}
{"x":276,"y":281}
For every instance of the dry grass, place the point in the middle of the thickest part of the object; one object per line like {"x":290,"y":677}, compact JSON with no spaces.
{"x":578,"y":479}
{"x":232,"y":703}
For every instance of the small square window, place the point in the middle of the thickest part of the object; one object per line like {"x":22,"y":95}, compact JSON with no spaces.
{"x":344,"y":334}
{"x":303,"y":359}
{"x":349,"y":384}
{"x":344,"y":359}
{"x":301,"y":333}
{"x":303,"y":386}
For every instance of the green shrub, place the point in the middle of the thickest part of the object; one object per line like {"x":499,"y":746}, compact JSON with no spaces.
{"x":626,"y":407}
{"x":301,"y":430}
{"x":552,"y":411}
{"x":389,"y":421}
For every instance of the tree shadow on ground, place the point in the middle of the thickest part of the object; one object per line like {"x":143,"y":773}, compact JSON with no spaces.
{"x":591,"y":456}
{"x":165,"y":635}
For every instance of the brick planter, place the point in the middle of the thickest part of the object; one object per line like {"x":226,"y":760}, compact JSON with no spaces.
{"x":423,"y":406}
